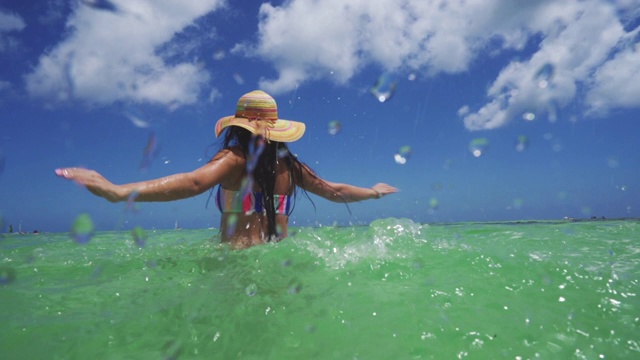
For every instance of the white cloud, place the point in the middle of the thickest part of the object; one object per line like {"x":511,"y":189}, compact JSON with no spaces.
{"x":616,"y":83}
{"x":113,"y":55}
{"x":307,"y":39}
{"x":9,"y":22}
{"x":4,"y":85}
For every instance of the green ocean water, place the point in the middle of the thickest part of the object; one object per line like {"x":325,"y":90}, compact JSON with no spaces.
{"x":392,"y":290}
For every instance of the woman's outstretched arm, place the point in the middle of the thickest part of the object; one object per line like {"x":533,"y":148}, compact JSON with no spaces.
{"x":339,"y":192}
{"x":223,"y":166}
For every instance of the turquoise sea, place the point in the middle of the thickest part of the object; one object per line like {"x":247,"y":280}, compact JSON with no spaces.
{"x":394,"y":289}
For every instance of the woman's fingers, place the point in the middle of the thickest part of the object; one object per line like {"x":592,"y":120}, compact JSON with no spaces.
{"x":384,"y":189}
{"x":93,"y":181}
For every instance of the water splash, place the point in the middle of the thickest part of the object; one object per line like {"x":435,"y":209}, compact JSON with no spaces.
{"x":82,"y":230}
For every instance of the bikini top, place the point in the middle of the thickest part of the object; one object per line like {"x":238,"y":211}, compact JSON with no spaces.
{"x":230,"y":201}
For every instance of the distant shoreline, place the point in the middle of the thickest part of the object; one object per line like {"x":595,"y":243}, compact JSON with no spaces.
{"x":458,"y":223}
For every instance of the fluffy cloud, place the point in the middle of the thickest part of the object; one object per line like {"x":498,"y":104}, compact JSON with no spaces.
{"x":580,"y":46}
{"x":9,"y":23}
{"x":616,"y":83}
{"x":308,"y":39}
{"x":112,"y":55}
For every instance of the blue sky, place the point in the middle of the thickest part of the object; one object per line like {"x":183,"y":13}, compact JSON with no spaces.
{"x":511,"y":109}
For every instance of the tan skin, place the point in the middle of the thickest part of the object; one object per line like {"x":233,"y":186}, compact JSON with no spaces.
{"x":228,"y":168}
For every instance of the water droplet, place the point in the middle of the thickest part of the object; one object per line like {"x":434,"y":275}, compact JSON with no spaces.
{"x":282,"y":153}
{"x":517,"y":203}
{"x":478,"y":146}
{"x":384,"y":88}
{"x":334,"y":127}
{"x":7,"y":275}
{"x":544,"y":75}
{"x":310,"y":329}
{"x":294,"y":287}
{"x":137,"y":117}
{"x":139,"y":236}
{"x":434,"y":203}
{"x":402,"y":155}
{"x":131,"y":201}
{"x":150,"y":152}
{"x":251,"y":290}
{"x":613,"y":162}
{"x":82,"y":229}
{"x":411,"y":77}
{"x":522,"y":144}
{"x":286,"y":263}
{"x":232,"y":222}
{"x":529,"y":116}
{"x":172,"y":349}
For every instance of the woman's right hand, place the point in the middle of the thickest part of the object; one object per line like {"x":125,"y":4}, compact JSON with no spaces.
{"x":94,"y":182}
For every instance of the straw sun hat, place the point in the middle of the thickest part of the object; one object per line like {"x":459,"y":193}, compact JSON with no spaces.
{"x":257,"y":112}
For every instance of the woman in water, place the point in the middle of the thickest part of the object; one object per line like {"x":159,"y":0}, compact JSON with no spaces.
{"x":256,"y":174}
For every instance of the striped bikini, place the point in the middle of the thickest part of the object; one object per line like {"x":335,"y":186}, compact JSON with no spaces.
{"x":229,"y":201}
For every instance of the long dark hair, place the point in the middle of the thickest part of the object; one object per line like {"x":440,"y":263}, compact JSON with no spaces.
{"x":263,"y":171}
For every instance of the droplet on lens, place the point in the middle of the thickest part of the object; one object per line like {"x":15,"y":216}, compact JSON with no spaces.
{"x":7,"y":275}
{"x":251,"y":290}
{"x":402,"y":155}
{"x":544,"y":75}
{"x":522,"y":143}
{"x":82,"y":229}
{"x":334,"y":127}
{"x":478,"y":146}
{"x":384,"y":88}
{"x":139,"y":236}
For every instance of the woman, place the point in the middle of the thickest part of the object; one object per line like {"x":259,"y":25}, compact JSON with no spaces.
{"x":256,"y":174}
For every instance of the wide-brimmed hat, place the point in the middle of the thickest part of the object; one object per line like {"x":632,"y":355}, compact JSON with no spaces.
{"x":257,"y":112}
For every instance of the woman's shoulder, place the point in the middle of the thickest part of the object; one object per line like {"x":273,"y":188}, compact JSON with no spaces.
{"x":233,"y":154}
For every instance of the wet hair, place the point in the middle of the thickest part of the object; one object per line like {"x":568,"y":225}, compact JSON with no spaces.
{"x":264,"y":172}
